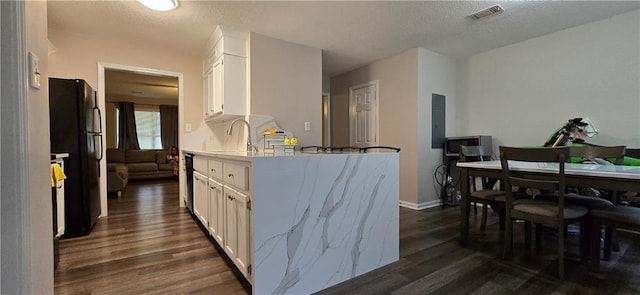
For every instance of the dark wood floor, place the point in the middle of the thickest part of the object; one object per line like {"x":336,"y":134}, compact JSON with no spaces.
{"x":149,"y":245}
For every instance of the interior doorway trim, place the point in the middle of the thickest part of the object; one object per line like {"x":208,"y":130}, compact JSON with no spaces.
{"x":326,"y":119}
{"x":102,"y":67}
{"x":16,"y":219}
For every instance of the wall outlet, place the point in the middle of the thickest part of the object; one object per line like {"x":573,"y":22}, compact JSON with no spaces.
{"x":307,"y":126}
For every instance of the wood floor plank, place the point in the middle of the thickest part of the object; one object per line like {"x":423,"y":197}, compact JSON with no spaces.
{"x":148,"y":245}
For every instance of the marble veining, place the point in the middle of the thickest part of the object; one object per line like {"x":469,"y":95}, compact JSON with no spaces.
{"x":353,"y":199}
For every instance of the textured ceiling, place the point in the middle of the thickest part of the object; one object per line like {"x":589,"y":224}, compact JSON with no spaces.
{"x":351,"y":34}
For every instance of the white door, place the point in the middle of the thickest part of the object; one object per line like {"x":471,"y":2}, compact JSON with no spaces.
{"x":363,"y":114}
{"x":216,"y":211}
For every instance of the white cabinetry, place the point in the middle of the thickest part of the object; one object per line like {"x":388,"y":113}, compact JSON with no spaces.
{"x":225,"y":75}
{"x":216,"y":211}
{"x":201,"y":198}
{"x":223,"y":206}
{"x":237,"y":230}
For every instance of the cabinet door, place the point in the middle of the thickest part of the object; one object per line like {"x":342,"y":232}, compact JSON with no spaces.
{"x":237,"y":230}
{"x":200,"y":197}
{"x":218,"y":86}
{"x":208,"y":91}
{"x":216,"y":211}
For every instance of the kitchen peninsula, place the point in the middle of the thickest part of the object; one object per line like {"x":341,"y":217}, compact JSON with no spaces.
{"x":299,"y":223}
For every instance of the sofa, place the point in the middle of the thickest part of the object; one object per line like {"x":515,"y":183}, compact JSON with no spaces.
{"x":124,"y":165}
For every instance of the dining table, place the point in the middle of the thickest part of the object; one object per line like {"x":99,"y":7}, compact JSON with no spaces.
{"x":600,"y":176}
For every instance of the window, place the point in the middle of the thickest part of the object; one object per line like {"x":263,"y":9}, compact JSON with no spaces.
{"x":148,"y":127}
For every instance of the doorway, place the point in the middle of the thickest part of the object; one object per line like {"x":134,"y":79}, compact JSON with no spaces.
{"x":145,"y":87}
{"x":363,"y":114}
{"x":326,"y":119}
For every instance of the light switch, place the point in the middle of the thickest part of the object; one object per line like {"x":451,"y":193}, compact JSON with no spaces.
{"x":307,"y":126}
{"x":187,"y":127}
{"x":34,"y":70}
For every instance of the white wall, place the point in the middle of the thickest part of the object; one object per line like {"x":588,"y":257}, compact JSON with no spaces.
{"x":436,"y":74}
{"x":521,"y":93}
{"x":398,"y":104}
{"x":286,"y":83}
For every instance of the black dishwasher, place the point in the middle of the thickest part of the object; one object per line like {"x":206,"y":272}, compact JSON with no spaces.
{"x":188,"y":164}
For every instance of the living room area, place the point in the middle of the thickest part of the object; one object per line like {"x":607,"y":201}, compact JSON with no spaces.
{"x":141,"y":128}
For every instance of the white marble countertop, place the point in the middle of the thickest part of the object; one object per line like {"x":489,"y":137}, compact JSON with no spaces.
{"x":248,"y":156}
{"x":617,"y":171}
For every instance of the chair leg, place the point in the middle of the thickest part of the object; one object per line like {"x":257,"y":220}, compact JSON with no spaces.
{"x":483,"y":224}
{"x":539,"y":238}
{"x":561,"y":254}
{"x":615,"y":246}
{"x":595,"y":245}
{"x":475,"y":208}
{"x":585,"y":232}
{"x":527,"y":234}
{"x":608,"y":243}
{"x":508,"y":236}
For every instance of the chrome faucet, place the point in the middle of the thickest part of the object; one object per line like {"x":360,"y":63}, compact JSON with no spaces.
{"x":250,"y":146}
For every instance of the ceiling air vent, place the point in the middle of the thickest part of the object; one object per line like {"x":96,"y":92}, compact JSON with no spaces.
{"x":487,"y":12}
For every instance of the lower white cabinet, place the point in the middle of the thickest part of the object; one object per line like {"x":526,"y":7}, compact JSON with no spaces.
{"x":201,"y":198}
{"x":222,"y":205}
{"x":216,"y":211}
{"x":237,"y":230}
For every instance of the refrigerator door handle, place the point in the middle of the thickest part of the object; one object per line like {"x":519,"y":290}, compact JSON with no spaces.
{"x":99,"y":150}
{"x":99,"y":158}
{"x":99,"y":119}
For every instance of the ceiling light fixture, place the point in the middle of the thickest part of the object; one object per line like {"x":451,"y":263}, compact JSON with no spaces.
{"x":160,"y":5}
{"x":485,"y":12}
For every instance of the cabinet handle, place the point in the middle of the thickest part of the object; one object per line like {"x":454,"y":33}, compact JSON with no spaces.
{"x":230,"y":175}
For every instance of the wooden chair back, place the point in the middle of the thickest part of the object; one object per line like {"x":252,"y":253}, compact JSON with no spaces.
{"x":471,"y":153}
{"x":634,"y":153}
{"x":614,"y":154}
{"x":511,"y":178}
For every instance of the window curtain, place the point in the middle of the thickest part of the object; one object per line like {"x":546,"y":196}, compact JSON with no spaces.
{"x":168,"y":126}
{"x":128,"y":136}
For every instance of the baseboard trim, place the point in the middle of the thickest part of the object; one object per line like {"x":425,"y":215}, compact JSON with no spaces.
{"x":420,"y":206}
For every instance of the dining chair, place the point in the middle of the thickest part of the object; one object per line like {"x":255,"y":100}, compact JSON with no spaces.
{"x":611,"y":154}
{"x":611,"y":216}
{"x":483,"y":194}
{"x":551,"y":213}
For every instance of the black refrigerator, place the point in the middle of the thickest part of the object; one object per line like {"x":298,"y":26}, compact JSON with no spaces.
{"x":76,"y":128}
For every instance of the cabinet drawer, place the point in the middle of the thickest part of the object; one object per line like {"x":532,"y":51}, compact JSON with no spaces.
{"x":200,"y":164}
{"x":215,"y":169}
{"x":236,"y":175}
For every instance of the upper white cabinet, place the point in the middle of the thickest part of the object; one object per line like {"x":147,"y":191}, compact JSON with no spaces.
{"x":225,"y":75}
